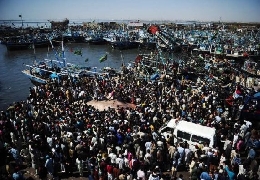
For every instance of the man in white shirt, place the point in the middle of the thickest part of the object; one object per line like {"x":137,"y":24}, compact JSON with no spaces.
{"x":141,"y":174}
{"x":112,"y":158}
{"x":160,"y":144}
{"x":235,"y":138}
{"x":147,"y":156}
{"x":120,"y":162}
{"x":126,"y":161}
{"x":148,"y":145}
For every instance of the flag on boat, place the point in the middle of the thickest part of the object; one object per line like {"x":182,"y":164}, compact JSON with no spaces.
{"x":78,"y":52}
{"x":103,"y":58}
{"x":214,"y":36}
{"x":153,"y":29}
{"x":201,"y":57}
{"x":138,"y":59}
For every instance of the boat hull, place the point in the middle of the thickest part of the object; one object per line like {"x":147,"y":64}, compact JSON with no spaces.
{"x":29,"y":45}
{"x":17,"y":46}
{"x":122,"y":45}
{"x":34,"y":79}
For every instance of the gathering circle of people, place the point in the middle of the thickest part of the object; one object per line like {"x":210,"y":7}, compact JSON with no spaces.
{"x":56,"y":132}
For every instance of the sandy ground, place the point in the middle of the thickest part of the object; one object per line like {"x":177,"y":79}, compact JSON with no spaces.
{"x":103,"y":105}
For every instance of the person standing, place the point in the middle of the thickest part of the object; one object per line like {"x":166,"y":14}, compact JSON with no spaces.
{"x":43,"y":172}
{"x":25,"y":155}
{"x":205,"y":175}
{"x":69,"y":165}
{"x":16,"y":155}
{"x":230,"y":173}
{"x":141,"y":174}
{"x":154,"y":176}
{"x":79,"y":163}
{"x":49,"y":165}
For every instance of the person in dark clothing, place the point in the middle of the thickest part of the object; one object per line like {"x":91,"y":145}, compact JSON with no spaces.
{"x":228,"y":150}
{"x":69,"y":165}
{"x":42,"y":172}
{"x":195,"y":172}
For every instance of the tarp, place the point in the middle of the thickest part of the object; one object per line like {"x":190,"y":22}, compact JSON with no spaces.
{"x":154,"y":76}
{"x":54,"y":75}
{"x":257,"y":95}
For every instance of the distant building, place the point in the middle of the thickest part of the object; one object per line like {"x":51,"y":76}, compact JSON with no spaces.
{"x":100,"y":25}
{"x":61,"y":25}
{"x":135,"y":25}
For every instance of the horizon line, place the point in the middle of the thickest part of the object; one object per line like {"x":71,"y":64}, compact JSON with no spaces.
{"x":118,"y":20}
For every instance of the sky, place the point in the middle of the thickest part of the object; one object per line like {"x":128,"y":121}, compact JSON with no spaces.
{"x":160,"y":10}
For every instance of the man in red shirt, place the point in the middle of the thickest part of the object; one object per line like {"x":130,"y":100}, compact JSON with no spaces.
{"x":109,"y":172}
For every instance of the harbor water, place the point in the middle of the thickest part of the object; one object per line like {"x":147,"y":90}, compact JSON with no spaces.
{"x":14,"y":85}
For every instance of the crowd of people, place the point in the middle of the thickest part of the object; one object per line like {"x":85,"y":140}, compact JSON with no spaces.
{"x":56,"y":132}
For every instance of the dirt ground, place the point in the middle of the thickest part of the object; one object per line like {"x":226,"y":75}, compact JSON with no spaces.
{"x":104,"y":104}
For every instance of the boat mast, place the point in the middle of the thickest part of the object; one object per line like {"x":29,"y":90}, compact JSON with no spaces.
{"x":34,"y":53}
{"x":63,"y":53}
{"x":122,"y":59}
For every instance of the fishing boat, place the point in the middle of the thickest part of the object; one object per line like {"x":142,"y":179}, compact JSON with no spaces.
{"x":95,"y":39}
{"x":43,"y":71}
{"x":122,"y":45}
{"x":49,"y":70}
{"x":34,"y":78}
{"x":147,"y":44}
{"x":73,"y":36}
{"x":54,"y":70}
{"x":17,"y":43}
{"x":12,"y":46}
{"x":27,"y":42}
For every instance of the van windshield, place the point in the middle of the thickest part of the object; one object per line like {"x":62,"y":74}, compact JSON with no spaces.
{"x":195,"y":138}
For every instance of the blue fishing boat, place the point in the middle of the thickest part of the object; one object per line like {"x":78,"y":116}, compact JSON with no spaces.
{"x":99,"y":40}
{"x":53,"y":70}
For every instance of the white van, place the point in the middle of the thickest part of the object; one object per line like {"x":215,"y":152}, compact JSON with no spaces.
{"x":190,"y":132}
